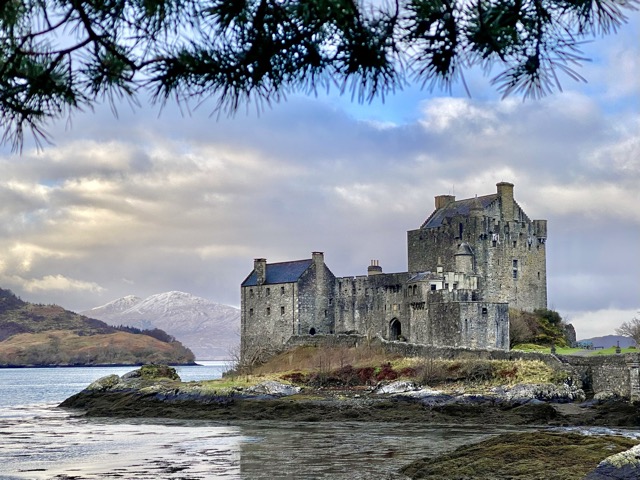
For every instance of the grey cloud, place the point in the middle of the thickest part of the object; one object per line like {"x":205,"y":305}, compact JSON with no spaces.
{"x":149,"y":204}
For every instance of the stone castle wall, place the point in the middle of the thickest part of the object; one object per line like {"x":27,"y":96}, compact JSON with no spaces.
{"x":501,"y":243}
{"x":367,"y":304}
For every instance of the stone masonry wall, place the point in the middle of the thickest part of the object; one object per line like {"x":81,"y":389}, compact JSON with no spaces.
{"x":315,"y":297}
{"x":368,"y":304}
{"x":501,"y":246}
{"x":269,"y":315}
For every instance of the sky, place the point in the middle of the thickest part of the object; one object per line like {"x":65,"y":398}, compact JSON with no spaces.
{"x":152,"y":201}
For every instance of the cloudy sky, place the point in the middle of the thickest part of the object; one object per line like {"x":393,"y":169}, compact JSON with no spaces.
{"x":155,"y":201}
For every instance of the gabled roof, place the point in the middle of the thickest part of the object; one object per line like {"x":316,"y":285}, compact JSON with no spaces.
{"x":284,"y":272}
{"x":460,"y":207}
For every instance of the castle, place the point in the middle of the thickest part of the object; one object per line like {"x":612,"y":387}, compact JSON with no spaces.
{"x":468,"y":263}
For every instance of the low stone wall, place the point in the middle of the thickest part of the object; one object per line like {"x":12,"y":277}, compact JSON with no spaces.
{"x":416,"y":350}
{"x":615,"y":374}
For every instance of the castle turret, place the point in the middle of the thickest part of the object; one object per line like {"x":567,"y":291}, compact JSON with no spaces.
{"x":505,"y":193}
{"x":260,"y":267}
{"x":540,"y":229}
{"x":464,"y":259}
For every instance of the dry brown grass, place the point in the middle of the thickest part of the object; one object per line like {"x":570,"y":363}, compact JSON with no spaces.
{"x":335,"y":365}
{"x":309,"y":359}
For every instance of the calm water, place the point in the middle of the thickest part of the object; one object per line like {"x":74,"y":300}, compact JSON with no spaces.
{"x":40,"y":441}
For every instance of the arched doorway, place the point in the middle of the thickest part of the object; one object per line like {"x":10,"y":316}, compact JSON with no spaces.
{"x":395,"y":329}
{"x":312,"y":331}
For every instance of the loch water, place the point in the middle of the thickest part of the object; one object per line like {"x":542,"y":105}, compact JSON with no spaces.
{"x":38,"y":440}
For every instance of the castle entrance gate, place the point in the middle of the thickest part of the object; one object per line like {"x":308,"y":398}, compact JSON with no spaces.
{"x":395,"y":329}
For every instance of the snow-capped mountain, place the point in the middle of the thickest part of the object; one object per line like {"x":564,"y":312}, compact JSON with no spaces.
{"x":211,"y":330}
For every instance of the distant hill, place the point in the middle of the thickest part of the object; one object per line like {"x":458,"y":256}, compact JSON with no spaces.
{"x":610,"y":341}
{"x":32,"y":334}
{"x":211,"y":330}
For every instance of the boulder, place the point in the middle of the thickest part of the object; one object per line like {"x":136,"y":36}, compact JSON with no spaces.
{"x":105,"y":383}
{"x":621,"y":466}
{"x":396,"y":387}
{"x":547,"y":392}
{"x":271,"y":387}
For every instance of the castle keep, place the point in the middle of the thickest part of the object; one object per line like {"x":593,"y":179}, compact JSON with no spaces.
{"x":468,"y":263}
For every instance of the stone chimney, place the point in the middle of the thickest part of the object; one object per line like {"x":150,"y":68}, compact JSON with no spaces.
{"x":505,"y":193}
{"x":444,"y":200}
{"x":260,"y":267}
{"x":318,"y":258}
{"x":374,"y":268}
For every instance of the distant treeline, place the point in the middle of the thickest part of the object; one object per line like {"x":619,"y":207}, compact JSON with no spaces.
{"x":155,"y":333}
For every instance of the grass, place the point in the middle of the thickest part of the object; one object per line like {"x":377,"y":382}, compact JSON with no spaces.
{"x":572,"y":351}
{"x":362,"y":366}
{"x":522,"y":456}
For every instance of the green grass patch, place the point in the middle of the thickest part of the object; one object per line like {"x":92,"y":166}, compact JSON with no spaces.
{"x":530,"y":347}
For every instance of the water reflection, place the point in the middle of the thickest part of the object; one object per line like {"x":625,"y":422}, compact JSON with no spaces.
{"x":53,"y":444}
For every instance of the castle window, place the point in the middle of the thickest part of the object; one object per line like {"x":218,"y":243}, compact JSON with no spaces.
{"x":268,"y":310}
{"x":515,"y":244}
{"x":326,"y":313}
{"x":485,"y":311}
{"x":455,"y":286}
{"x":494,"y":243}
{"x":281,"y":290}
{"x":538,"y":275}
{"x":433,"y":287}
{"x":446,"y":286}
{"x":281,"y":310}
{"x":251,"y":312}
{"x":331,"y":301}
{"x":415,"y":290}
{"x":515,"y":273}
{"x":268,"y":291}
{"x":312,"y":331}
{"x":251,"y":292}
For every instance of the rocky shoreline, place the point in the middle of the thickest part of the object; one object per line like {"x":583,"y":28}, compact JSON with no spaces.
{"x":157,"y":392}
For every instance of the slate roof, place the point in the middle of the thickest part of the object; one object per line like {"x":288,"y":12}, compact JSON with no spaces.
{"x":421,"y":276}
{"x":460,"y":207}
{"x":284,"y":272}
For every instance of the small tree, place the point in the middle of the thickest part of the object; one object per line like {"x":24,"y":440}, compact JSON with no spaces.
{"x":630,"y":329}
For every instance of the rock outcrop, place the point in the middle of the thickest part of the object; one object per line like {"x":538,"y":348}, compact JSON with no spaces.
{"x":621,"y":466}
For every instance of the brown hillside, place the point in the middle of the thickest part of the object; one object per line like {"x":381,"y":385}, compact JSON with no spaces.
{"x":32,"y":334}
{"x":64,"y":347}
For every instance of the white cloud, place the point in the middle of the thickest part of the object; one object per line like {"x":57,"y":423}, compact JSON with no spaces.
{"x":55,"y":283}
